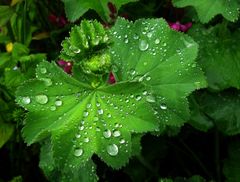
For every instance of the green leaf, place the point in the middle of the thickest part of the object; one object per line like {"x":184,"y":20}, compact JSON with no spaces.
{"x":81,"y":119}
{"x":76,"y":8}
{"x":47,"y":164}
{"x":231,"y":165}
{"x":208,"y":9}
{"x":223,"y":109}
{"x":6,"y":13}
{"x":6,"y":131}
{"x":219,"y":55}
{"x":149,"y":52}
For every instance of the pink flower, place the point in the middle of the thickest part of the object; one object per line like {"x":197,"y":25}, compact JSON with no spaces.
{"x":180,"y":27}
{"x":111,"y":78}
{"x":67,"y":66}
{"x":59,"y":21}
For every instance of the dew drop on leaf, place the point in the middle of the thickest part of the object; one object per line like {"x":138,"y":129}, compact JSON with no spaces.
{"x":43,"y":70}
{"x":100,"y":111}
{"x":144,"y":92}
{"x":41,"y":99}
{"x":148,"y":78}
{"x":109,"y":115}
{"x":116,"y":133}
{"x":77,"y":135}
{"x":163,"y":106}
{"x":112,"y":149}
{"x":143,"y":45}
{"x":122,"y":141}
{"x":26,"y":100}
{"x":138,"y":98}
{"x":53,"y":108}
{"x":86,"y":140}
{"x":58,"y":103}
{"x":107,"y":133}
{"x":157,"y":41}
{"x":85,"y":114}
{"x":81,"y":128}
{"x":150,"y":99}
{"x":78,"y":152}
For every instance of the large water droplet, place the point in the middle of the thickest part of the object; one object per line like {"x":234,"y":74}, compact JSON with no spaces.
{"x":41,"y":99}
{"x":116,"y":133}
{"x":143,"y":45}
{"x":58,"y":102}
{"x":107,"y":133}
{"x":163,"y":106}
{"x":112,"y":149}
{"x":78,"y":152}
{"x":26,"y":100}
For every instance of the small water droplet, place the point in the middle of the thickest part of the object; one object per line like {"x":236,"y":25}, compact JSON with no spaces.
{"x":78,"y":152}
{"x":150,"y":99}
{"x":41,"y":99}
{"x":85,"y":114}
{"x":143,"y":45}
{"x":157,"y":41}
{"x":122,"y":141}
{"x":107,"y":133}
{"x":81,"y":128}
{"x":148,"y":78}
{"x":163,"y":106}
{"x":86,"y":140}
{"x":116,"y":133}
{"x":58,"y":103}
{"x":112,"y":149}
{"x":53,"y":108}
{"x":89,"y":106}
{"x":26,"y":100}
{"x":100,"y":111}
{"x":43,"y":70}
{"x":138,"y":98}
{"x":77,"y":135}
{"x":109,"y":115}
{"x":145,"y":92}
{"x":135,"y":36}
{"x":77,"y":51}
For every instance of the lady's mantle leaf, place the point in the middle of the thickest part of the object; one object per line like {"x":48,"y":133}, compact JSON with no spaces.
{"x":162,"y":59}
{"x":76,"y":8}
{"x":208,"y":9}
{"x":218,"y":55}
{"x":82,"y":120}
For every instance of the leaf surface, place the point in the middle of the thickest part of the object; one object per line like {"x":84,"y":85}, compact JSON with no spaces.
{"x":206,"y":9}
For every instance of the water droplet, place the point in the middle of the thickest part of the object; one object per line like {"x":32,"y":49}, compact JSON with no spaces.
{"x":150,"y":99}
{"x":109,"y":115}
{"x":53,"y":108}
{"x":135,"y":36}
{"x":26,"y":100}
{"x":77,"y":135}
{"x":78,"y":152}
{"x":77,"y":51}
{"x":116,"y":133}
{"x":100,"y":111}
{"x":132,"y":72}
{"x":58,"y":103}
{"x":122,"y":141}
{"x":43,"y":70}
{"x":86,"y":140}
{"x":149,"y":34}
{"x":107,"y":133}
{"x":81,"y":128}
{"x":138,"y":98}
{"x":89,"y":106}
{"x":112,"y":149}
{"x":47,"y":81}
{"x":126,"y":40}
{"x":157,"y":41}
{"x":148,"y":78}
{"x":163,"y":106}
{"x":41,"y":99}
{"x":95,"y":118}
{"x":143,"y":45}
{"x":145,"y":92}
{"x":85,"y":113}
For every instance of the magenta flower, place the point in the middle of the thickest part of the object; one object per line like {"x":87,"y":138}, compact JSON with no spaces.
{"x":111,"y":78}
{"x":59,"y":21}
{"x":67,"y":66}
{"x":180,"y":27}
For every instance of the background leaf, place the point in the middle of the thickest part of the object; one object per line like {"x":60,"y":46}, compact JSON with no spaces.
{"x":208,"y":9}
